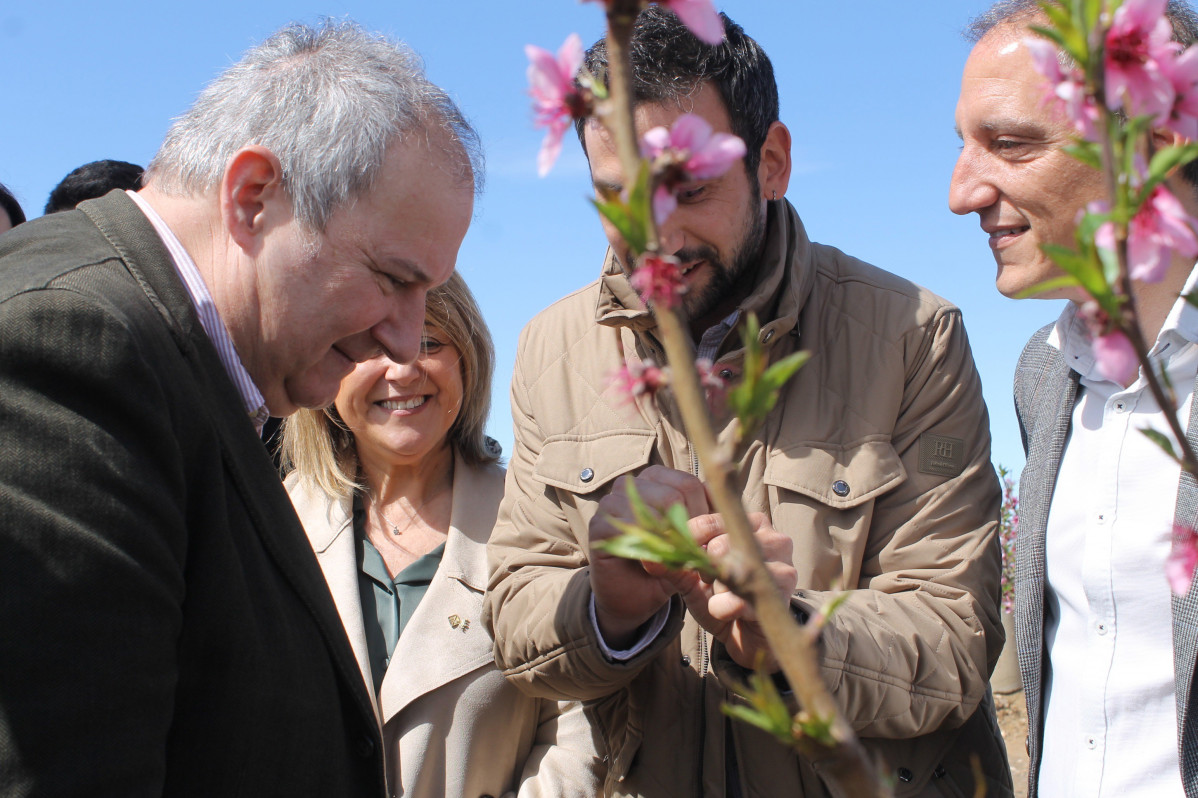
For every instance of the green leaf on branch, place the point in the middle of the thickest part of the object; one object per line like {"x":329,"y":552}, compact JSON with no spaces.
{"x":1164,"y":162}
{"x":659,"y":538}
{"x":1068,"y":281}
{"x":1088,"y":152}
{"x":631,"y":216}
{"x":766,"y":709}
{"x":1162,"y":441}
{"x":755,"y":396}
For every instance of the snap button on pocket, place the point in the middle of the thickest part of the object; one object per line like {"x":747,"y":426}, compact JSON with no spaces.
{"x":840,"y":488}
{"x":586,"y":475}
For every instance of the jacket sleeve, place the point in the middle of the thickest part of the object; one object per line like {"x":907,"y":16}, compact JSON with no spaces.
{"x":538,"y":600}
{"x":911,"y":649}
{"x":566,"y":759}
{"x":92,"y":553}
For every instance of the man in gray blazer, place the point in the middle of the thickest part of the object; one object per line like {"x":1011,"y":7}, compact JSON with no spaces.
{"x":164,"y":626}
{"x":1106,"y":653}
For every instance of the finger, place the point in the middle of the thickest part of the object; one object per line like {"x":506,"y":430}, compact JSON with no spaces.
{"x":687,"y":487}
{"x":728,"y":607}
{"x":707,"y":527}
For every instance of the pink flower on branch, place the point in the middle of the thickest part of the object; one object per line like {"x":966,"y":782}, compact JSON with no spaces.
{"x":1140,"y":59}
{"x":1114,"y":356}
{"x":688,"y":151}
{"x":1066,"y":89}
{"x":659,"y":280}
{"x":699,"y":16}
{"x":556,"y":100}
{"x":1179,"y":565}
{"x":636,"y":379}
{"x":1184,"y":76}
{"x":1160,"y":227}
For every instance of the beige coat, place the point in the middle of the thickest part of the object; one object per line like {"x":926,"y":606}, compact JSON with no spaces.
{"x":451,"y":725}
{"x":876,"y":462}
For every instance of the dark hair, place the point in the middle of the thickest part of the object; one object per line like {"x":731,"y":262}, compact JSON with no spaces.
{"x":93,"y":180}
{"x":1179,"y":13}
{"x":669,"y":63}
{"x":10,"y":205}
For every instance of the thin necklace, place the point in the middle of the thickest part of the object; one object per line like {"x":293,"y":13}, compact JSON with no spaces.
{"x":412,"y":515}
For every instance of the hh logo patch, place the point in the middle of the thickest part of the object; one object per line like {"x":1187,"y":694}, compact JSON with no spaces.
{"x":941,"y":455}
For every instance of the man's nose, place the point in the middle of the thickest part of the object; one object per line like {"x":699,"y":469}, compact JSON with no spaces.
{"x":399,"y":334}
{"x":969,"y":189}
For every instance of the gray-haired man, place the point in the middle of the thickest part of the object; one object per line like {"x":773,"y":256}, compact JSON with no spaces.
{"x":166,"y":630}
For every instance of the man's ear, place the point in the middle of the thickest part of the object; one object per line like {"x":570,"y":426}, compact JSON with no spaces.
{"x":250,"y":192}
{"x":1164,"y":137}
{"x":773,"y":173}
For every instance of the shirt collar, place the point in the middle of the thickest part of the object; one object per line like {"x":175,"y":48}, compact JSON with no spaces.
{"x":210,"y":320}
{"x":1072,"y":338}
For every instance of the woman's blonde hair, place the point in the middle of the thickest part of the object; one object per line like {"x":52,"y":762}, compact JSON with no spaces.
{"x":319,"y":447}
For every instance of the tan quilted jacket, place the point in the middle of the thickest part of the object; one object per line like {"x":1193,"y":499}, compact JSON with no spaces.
{"x":876,"y":462}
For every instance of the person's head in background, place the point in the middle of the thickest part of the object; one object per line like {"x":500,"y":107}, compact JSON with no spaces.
{"x":13,"y":215}
{"x":93,"y":180}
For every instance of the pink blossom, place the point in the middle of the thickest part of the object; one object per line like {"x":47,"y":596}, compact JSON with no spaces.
{"x":1139,"y":60}
{"x":659,"y":280}
{"x":665,"y":202}
{"x":636,"y":379}
{"x":709,"y":379}
{"x":1184,"y":76}
{"x":1160,"y":227}
{"x":1179,"y":565}
{"x":1115,"y":357}
{"x":700,"y":17}
{"x":688,"y":151}
{"x":555,"y":99}
{"x":1066,"y":89}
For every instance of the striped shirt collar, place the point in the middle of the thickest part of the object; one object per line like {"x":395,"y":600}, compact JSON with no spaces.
{"x":210,"y":320}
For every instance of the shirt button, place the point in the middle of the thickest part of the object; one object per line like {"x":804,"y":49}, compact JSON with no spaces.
{"x":1120,"y":406}
{"x":905,"y":775}
{"x":1091,"y":743}
{"x":586,"y":475}
{"x":1100,"y":627}
{"x":840,"y":488}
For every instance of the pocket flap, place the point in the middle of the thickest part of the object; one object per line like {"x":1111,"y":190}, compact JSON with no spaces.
{"x":583,"y":463}
{"x":835,"y":475}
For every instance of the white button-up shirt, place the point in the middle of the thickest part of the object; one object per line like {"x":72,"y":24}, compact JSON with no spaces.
{"x":1110,"y":719}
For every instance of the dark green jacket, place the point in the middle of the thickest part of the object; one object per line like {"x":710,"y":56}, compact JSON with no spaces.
{"x":164,"y":627}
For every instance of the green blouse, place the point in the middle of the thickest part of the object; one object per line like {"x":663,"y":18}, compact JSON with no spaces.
{"x":387,"y":604}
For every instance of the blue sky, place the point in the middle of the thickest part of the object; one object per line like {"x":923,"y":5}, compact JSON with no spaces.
{"x":867,"y":88}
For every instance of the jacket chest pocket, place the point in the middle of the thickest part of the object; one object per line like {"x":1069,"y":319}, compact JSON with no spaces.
{"x":822,"y":497}
{"x":583,"y":467}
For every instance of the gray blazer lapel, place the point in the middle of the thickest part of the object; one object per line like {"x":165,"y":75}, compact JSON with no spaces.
{"x":1185,"y":628}
{"x":1045,"y":390}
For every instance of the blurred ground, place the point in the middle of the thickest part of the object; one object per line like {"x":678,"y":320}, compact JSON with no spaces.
{"x":1012,"y":721}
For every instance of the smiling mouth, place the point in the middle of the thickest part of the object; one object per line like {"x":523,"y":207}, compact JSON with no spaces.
{"x":1008,"y":231}
{"x":404,"y":404}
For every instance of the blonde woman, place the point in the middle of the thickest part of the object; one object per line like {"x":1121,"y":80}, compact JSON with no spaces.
{"x":398,"y":488}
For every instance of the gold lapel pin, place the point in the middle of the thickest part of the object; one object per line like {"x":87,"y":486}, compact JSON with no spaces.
{"x":457,"y":621}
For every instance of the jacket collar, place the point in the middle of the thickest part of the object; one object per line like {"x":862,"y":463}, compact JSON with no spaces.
{"x":784,"y":276}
